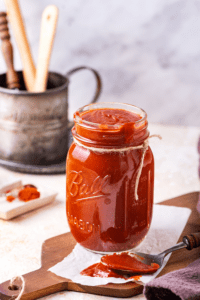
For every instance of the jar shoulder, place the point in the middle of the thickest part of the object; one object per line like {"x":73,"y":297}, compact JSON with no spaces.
{"x":83,"y":156}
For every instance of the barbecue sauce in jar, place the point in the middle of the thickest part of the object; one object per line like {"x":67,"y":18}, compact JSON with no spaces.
{"x":110,"y":177}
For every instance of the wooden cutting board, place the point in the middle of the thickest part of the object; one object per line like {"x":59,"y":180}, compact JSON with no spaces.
{"x":42,"y":282}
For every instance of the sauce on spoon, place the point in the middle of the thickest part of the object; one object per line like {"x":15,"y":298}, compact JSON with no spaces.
{"x":128,"y":262}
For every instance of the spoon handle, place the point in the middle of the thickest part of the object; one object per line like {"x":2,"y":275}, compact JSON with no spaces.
{"x":48,"y":28}
{"x":178,"y":246}
{"x":189,"y":242}
{"x":192,"y":240}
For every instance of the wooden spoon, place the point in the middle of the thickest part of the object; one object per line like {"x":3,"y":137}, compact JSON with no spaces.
{"x":48,"y":28}
{"x":16,"y":22}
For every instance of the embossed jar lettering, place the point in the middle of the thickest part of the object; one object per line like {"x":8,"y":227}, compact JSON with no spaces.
{"x":79,"y":187}
{"x":110,"y":177}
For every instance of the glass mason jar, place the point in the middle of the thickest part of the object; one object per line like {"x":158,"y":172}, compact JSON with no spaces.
{"x":110,"y":177}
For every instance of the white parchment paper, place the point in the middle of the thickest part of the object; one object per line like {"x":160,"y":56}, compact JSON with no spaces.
{"x":167,"y":225}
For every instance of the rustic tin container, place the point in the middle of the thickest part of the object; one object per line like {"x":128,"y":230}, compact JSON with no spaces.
{"x":34,"y":127}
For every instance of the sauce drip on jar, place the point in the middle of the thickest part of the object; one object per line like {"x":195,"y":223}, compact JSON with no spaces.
{"x":103,"y":164}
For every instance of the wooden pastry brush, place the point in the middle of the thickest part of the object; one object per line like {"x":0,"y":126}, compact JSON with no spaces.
{"x":16,"y":21}
{"x":12,"y":79}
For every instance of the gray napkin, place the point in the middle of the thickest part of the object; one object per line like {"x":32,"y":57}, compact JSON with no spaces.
{"x":183,"y":284}
{"x":198,"y":203}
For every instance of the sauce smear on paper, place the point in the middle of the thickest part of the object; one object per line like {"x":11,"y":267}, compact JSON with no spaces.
{"x":119,"y":266}
{"x":100,"y":270}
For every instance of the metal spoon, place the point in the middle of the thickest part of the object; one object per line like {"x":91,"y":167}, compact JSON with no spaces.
{"x":189,"y":242}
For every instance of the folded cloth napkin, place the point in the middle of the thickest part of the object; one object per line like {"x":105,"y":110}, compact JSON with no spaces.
{"x":183,"y":284}
{"x":198,"y":203}
{"x":198,"y":148}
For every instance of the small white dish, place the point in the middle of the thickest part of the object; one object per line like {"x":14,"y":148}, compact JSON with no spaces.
{"x":9,"y":210}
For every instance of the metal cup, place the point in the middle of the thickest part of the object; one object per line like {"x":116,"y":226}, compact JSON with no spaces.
{"x":34,"y":127}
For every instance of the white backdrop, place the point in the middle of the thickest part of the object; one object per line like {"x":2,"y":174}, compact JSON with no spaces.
{"x":147,"y":52}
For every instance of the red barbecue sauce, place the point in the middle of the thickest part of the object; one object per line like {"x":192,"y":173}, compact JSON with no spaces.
{"x":111,"y":265}
{"x":26,"y":193}
{"x":10,"y":198}
{"x":100,"y":270}
{"x":126,"y":262}
{"x":102,"y":211}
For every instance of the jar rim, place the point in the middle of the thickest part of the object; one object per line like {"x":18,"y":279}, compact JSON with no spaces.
{"x":116,"y":105}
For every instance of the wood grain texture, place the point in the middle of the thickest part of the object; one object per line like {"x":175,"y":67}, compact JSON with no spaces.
{"x":180,"y":259}
{"x":42,"y":282}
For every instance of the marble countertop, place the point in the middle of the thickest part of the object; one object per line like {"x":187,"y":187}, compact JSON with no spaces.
{"x":176,"y":173}
{"x":147,"y":52}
